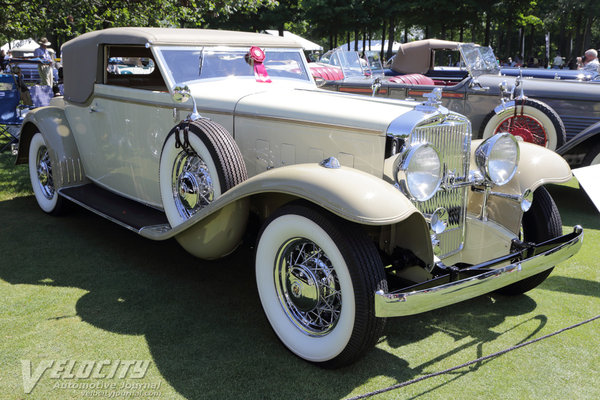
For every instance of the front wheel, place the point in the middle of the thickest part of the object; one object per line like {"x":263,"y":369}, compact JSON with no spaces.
{"x":42,"y":177}
{"x":533,"y":121}
{"x":542,"y":222}
{"x":317,"y":276}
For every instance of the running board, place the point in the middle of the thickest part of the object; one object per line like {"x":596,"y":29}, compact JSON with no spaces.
{"x":120,"y":210}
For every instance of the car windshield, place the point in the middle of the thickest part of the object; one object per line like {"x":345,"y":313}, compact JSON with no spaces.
{"x":188,"y":64}
{"x":479,"y":59}
{"x":351,"y":63}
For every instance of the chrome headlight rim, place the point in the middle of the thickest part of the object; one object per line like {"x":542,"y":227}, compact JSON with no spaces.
{"x":483,"y":157}
{"x":402,"y":171}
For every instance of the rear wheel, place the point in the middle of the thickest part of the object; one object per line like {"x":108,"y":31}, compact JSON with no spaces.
{"x":42,"y":177}
{"x":542,"y":222}
{"x":534,"y":121}
{"x":316,"y":276}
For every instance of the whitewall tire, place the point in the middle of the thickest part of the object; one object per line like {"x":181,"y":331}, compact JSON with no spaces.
{"x":534,"y":121}
{"x":41,"y":176}
{"x":316,"y":276}
{"x":192,"y":178}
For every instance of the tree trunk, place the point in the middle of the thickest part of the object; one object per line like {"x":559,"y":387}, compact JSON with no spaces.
{"x":355,"y":40}
{"x":587,"y":35}
{"x":281,"y":30}
{"x":488,"y":23}
{"x":348,"y":40}
{"x":405,"y":34}
{"x":578,"y":48}
{"x":383,"y":31}
{"x":461,"y":36}
{"x":391,"y":38}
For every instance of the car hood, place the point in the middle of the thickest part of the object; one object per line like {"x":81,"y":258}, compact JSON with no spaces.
{"x":548,"y":88}
{"x":324,"y":107}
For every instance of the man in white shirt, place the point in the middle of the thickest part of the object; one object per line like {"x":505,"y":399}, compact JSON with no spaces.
{"x":558,"y":62}
{"x":45,"y":69}
{"x":590,"y":62}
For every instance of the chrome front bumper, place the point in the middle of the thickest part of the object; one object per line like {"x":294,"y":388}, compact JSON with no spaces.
{"x":530,"y":262}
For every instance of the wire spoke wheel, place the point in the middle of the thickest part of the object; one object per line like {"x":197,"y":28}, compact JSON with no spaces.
{"x":44,"y":172}
{"x":191,"y":183}
{"x":526,"y":127}
{"x":308,"y":287}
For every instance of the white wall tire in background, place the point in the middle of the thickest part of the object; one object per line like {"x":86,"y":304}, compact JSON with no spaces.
{"x":535,"y":122}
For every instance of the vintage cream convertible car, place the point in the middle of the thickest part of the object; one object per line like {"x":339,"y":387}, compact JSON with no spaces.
{"x":370,"y":208}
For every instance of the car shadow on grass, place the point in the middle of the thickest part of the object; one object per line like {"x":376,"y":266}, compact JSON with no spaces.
{"x":202,"y":321}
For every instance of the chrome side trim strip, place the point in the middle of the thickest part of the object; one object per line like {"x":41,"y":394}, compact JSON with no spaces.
{"x":307,"y":123}
{"x":398,"y":303}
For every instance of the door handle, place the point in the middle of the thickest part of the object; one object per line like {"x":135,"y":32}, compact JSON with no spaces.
{"x":94,"y":108}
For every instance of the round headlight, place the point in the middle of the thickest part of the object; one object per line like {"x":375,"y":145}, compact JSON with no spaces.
{"x":419,"y":173}
{"x":498,"y":158}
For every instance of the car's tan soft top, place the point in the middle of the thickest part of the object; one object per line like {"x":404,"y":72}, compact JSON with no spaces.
{"x":80,"y":56}
{"x":416,"y":57}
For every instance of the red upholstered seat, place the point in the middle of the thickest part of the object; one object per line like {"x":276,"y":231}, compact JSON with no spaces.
{"x":412,"y":79}
{"x":327,"y":72}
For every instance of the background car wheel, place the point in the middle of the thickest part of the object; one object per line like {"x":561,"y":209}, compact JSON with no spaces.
{"x":535,"y":122}
{"x":592,"y":157}
{"x":316,"y":276}
{"x":40,"y":174}
{"x":542,"y":222}
{"x":190,"y":180}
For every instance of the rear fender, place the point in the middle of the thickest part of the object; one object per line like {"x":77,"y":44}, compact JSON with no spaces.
{"x":53,"y":125}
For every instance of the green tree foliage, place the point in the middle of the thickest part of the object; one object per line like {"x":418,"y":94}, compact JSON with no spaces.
{"x":510,"y":26}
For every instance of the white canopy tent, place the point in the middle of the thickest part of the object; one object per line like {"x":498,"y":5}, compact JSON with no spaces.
{"x":375,"y":45}
{"x":22,"y":47}
{"x":306,"y":44}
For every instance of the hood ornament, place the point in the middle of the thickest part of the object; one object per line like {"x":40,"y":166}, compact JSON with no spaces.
{"x":433,"y":102}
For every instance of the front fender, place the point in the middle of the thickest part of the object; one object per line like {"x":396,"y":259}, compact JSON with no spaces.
{"x":349,"y":193}
{"x":537,"y":166}
{"x":52,"y":123}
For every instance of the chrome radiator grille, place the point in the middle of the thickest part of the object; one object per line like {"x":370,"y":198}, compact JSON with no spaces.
{"x":452,"y":137}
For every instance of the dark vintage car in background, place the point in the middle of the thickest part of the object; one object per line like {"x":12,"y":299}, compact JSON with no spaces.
{"x":563,"y":115}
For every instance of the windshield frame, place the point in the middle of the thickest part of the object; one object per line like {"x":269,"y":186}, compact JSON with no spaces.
{"x":304,"y":77}
{"x":478,"y":59}
{"x":350,"y":63}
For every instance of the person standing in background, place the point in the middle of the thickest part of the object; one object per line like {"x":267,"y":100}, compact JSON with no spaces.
{"x":558,"y":62}
{"x":589,"y":62}
{"x":45,"y":68}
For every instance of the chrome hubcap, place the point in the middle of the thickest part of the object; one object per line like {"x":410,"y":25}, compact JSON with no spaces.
{"x":192,"y":184}
{"x":44,"y":172}
{"x":308,"y":287}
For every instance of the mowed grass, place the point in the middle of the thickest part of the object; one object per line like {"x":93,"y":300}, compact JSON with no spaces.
{"x":81,"y":288}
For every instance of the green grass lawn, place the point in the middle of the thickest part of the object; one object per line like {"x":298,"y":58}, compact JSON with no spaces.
{"x":82,"y":288}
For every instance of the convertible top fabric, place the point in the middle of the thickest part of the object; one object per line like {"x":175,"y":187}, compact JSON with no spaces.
{"x":416,"y":57}
{"x":82,"y":65}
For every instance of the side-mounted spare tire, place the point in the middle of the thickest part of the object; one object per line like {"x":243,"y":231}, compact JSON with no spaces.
{"x":199,"y":162}
{"x":534,"y":121}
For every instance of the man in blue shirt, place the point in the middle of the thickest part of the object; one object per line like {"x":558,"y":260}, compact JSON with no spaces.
{"x":45,"y":69}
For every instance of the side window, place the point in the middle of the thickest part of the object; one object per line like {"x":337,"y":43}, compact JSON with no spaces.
{"x":132,"y":66}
